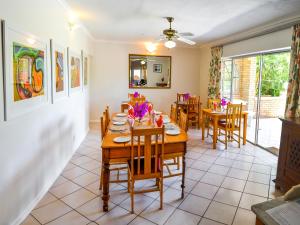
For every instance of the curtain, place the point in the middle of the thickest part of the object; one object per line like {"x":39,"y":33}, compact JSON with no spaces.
{"x":214,"y":84}
{"x":293,"y":92}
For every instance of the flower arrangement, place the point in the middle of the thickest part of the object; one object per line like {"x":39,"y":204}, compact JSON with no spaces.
{"x":136,"y":94}
{"x":223,"y":102}
{"x":186,"y":96}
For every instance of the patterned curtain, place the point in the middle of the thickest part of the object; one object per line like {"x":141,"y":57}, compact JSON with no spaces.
{"x":214,"y":84}
{"x":293,"y":92}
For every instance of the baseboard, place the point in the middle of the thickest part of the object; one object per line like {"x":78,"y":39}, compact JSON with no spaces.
{"x":43,"y":191}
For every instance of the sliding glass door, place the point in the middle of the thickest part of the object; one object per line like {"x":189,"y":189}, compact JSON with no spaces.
{"x":272,"y":98}
{"x":259,"y":82}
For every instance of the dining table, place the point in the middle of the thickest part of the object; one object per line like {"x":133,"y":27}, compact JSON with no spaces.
{"x":216,"y":116}
{"x":121,"y":151}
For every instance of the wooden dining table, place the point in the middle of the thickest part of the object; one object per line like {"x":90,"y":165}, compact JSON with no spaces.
{"x":121,"y":151}
{"x":216,"y":116}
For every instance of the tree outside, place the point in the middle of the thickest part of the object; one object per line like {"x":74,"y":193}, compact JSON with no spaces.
{"x":275,"y":73}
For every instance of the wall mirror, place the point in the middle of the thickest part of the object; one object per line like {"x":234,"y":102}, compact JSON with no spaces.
{"x":149,"y":71}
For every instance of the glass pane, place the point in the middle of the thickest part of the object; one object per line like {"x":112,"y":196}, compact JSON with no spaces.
{"x":226,"y":78}
{"x":275,"y":74}
{"x":244,"y":89}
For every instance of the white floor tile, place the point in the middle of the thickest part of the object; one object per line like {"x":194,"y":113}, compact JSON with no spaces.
{"x":257,"y":189}
{"x":227,"y":196}
{"x":233,"y":184}
{"x":211,"y":178}
{"x":248,"y":200}
{"x":180,"y":217}
{"x":194,"y":204}
{"x":244,"y":217}
{"x":205,"y":190}
{"x":220,"y":212}
{"x":117,"y":216}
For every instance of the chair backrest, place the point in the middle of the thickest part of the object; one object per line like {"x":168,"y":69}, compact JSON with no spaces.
{"x":124,"y":107}
{"x":103,"y":125}
{"x":149,"y":157}
{"x":234,"y":116}
{"x":173,"y":113}
{"x":211,"y":101}
{"x":180,"y":97}
{"x":107,"y":116}
{"x":183,"y":119}
{"x":139,"y":100}
{"x":193,"y":104}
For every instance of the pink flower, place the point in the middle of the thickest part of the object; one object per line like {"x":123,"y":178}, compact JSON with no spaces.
{"x":136,"y":94}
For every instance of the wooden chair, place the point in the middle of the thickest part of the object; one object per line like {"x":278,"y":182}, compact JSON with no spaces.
{"x":194,"y":110}
{"x":176,"y":159}
{"x":183,"y":119}
{"x":182,"y":123}
{"x":107,"y":116}
{"x":232,"y":123}
{"x":180,"y":99}
{"x":146,"y":161}
{"x":117,"y":164}
{"x":124,"y":106}
{"x":173,"y":113}
{"x":210,"y":105}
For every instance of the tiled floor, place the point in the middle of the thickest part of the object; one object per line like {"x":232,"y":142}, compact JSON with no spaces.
{"x":221,"y":186}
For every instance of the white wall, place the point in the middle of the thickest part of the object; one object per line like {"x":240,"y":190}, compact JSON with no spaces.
{"x":35,"y":147}
{"x":109,"y":85}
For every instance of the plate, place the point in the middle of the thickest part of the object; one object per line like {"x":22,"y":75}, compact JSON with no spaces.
{"x":117,"y":128}
{"x":118,"y":119}
{"x":121,"y":114}
{"x":173,"y":132}
{"x":118,"y":123}
{"x":122,"y":139}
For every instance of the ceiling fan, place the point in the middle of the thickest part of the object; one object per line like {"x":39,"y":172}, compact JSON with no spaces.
{"x":170,"y":35}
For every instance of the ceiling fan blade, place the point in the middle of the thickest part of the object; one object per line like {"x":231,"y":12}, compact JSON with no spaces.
{"x":186,"y":34}
{"x":187,"y":41}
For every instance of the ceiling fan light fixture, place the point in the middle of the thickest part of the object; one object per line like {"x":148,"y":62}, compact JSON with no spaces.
{"x":170,"y":44}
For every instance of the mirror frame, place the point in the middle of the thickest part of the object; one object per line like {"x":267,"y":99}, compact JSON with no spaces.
{"x":168,"y":56}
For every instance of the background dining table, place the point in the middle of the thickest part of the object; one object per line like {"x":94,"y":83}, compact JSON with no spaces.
{"x":216,"y":116}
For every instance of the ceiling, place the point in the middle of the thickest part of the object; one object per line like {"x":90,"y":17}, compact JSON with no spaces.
{"x":208,"y":20}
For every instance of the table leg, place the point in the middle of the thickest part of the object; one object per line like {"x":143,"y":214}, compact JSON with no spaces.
{"x":105,"y":195}
{"x":183,"y":172}
{"x":215,"y":133}
{"x":203,"y":125}
{"x":245,"y":129}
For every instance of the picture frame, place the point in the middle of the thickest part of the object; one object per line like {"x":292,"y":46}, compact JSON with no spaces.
{"x":157,"y":68}
{"x":59,"y":71}
{"x":26,"y":72}
{"x":85,"y":68}
{"x":1,"y":79}
{"x":75,"y":71}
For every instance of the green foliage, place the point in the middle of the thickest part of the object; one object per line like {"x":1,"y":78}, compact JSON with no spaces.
{"x":275,"y":73}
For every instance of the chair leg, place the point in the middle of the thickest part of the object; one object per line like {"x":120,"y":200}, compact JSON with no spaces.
{"x":161,"y":193}
{"x":132,"y":196}
{"x":128,"y":181}
{"x":226,"y":138}
{"x":178,"y":163}
{"x":101,"y":177}
{"x":239,"y":138}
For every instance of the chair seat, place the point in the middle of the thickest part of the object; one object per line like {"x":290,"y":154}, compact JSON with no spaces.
{"x":142,"y":162}
{"x":223,"y":125}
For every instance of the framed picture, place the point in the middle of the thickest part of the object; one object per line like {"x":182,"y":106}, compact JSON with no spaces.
{"x":26,"y":72}
{"x":75,"y":72}
{"x":59,"y":71}
{"x":85,"y":68}
{"x":157,"y":68}
{"x":1,"y":82}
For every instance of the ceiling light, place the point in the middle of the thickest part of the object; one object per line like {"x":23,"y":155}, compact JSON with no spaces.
{"x":151,"y":47}
{"x":170,"y":44}
{"x":143,"y":62}
{"x":31,"y":41}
